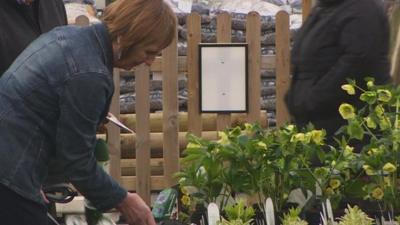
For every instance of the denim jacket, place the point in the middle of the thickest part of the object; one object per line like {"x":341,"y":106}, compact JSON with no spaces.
{"x":52,"y":99}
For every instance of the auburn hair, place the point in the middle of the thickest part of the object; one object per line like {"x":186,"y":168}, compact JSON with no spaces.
{"x":140,"y":22}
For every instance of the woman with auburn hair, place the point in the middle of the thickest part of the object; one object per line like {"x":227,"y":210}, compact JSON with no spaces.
{"x":54,"y":96}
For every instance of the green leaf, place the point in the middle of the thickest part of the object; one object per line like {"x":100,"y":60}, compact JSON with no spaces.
{"x":370,"y":122}
{"x":349,"y":89}
{"x":243,"y":140}
{"x":384,"y":124}
{"x":369,"y":97}
{"x":235,"y":131}
{"x":355,"y":130}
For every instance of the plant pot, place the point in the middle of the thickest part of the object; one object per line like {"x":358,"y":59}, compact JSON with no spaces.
{"x":200,"y":215}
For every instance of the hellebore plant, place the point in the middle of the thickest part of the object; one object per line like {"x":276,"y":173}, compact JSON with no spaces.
{"x":377,"y":125}
{"x":246,"y":160}
{"x":263,"y":163}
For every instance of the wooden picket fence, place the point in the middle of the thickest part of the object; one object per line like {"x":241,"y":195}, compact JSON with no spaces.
{"x":169,"y":64}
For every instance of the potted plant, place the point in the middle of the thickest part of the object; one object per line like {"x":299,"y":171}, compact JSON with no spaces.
{"x":292,"y":218}
{"x":250,"y":160}
{"x":377,"y":124}
{"x":238,"y":214}
{"x":354,"y":215}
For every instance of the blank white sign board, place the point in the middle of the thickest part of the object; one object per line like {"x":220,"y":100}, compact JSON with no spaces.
{"x":223,"y":77}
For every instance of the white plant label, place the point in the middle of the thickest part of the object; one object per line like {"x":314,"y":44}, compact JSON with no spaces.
{"x":213,"y":214}
{"x":269,"y":212}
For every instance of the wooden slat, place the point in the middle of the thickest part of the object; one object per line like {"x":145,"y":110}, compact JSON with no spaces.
{"x":282,"y":66}
{"x":170,"y":111}
{"x":267,"y":63}
{"x":128,"y":166}
{"x":157,"y":64}
{"x":223,"y":36}
{"x":157,"y":183}
{"x":194,"y":38}
{"x":306,"y":9}
{"x":128,"y":141}
{"x":142,"y":87}
{"x":114,"y":138}
{"x":253,"y":38}
{"x":208,"y":121}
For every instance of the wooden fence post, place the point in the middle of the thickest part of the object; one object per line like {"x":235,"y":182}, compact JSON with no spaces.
{"x":282,"y":43}
{"x":224,"y":28}
{"x":193,"y":38}
{"x":170,"y":111}
{"x":253,"y":38}
{"x":142,"y":87}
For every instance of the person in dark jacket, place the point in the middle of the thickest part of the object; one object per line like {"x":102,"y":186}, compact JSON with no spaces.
{"x":340,"y":39}
{"x":22,"y":21}
{"x":55,"y":95}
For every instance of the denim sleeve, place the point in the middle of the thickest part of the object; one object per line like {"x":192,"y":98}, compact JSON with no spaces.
{"x":83,"y":99}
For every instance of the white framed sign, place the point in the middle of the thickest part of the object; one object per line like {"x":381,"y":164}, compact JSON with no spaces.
{"x":223,"y":78}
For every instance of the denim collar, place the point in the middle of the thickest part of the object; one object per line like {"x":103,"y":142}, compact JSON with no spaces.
{"x":104,"y":40}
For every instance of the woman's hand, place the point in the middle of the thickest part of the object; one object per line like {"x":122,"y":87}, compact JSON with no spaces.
{"x":136,"y":211}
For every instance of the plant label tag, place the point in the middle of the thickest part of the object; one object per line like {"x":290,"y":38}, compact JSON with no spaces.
{"x":329,"y":211}
{"x":324,"y":217}
{"x":213,"y":214}
{"x":269,"y":212}
{"x":110,"y":117}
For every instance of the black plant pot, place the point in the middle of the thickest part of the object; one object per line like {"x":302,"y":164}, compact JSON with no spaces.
{"x":200,"y":215}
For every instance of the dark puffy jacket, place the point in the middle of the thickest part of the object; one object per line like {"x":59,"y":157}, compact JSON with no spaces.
{"x":21,"y":24}
{"x":340,"y":39}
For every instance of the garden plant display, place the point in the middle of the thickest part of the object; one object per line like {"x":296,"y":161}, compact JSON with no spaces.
{"x":270,"y":163}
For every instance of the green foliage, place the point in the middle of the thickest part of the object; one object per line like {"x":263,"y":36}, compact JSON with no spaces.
{"x":239,"y":211}
{"x":250,"y":160}
{"x":377,"y":124}
{"x":292,"y":218}
{"x":273,"y":162}
{"x":355,"y":216}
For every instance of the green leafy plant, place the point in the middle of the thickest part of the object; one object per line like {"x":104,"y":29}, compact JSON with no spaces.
{"x":202,"y":169}
{"x":377,"y":125}
{"x":265,"y":163}
{"x":262,"y":163}
{"x":292,"y":218}
{"x":326,"y":170}
{"x":246,"y":160}
{"x":239,"y":211}
{"x":354,"y":215}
